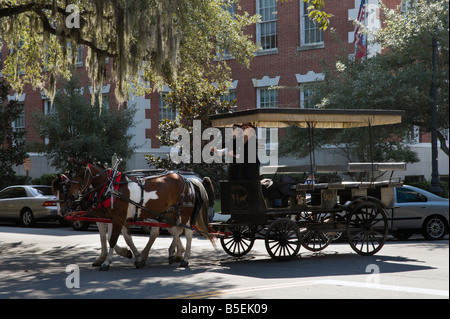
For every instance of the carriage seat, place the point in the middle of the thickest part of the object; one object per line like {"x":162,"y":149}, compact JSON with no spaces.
{"x":277,"y":191}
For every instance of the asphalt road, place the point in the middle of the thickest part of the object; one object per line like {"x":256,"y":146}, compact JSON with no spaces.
{"x":42,"y":262}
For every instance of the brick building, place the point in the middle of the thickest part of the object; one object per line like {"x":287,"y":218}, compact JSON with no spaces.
{"x":291,"y":55}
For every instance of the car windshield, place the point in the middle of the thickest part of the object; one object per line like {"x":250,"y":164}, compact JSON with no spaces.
{"x":41,"y":190}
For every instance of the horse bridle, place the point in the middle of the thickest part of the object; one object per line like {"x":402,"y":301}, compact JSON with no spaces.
{"x":84,"y":183}
{"x":87,"y":187}
{"x":62,"y":188}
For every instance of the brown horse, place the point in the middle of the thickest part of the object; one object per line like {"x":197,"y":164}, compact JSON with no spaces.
{"x":60,"y":188}
{"x":169,"y":197}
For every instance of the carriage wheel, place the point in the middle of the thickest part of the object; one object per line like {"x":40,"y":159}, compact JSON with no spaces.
{"x":315,"y":240}
{"x":240,"y":242}
{"x":283,"y":239}
{"x":367,"y":228}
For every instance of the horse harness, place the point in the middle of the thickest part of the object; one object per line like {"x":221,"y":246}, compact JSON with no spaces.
{"x":186,"y":199}
{"x":110,"y":191}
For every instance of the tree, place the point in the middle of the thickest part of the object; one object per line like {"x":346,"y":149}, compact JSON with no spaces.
{"x":407,"y":37}
{"x":317,"y":13}
{"x":399,"y":78}
{"x":77,"y":130}
{"x":193,"y":100}
{"x":151,"y":40}
{"x":12,"y":142}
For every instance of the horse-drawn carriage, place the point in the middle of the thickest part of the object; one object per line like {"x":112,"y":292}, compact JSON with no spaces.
{"x":309,"y":215}
{"x":311,"y":212}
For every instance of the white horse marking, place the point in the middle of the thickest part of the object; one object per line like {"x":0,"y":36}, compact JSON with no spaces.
{"x":150,"y":195}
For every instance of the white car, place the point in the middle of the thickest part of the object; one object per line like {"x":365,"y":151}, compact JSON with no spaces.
{"x":28,"y":204}
{"x":419,"y":211}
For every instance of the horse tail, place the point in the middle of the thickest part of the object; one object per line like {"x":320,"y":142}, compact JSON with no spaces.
{"x":203,"y":218}
{"x":207,"y":183}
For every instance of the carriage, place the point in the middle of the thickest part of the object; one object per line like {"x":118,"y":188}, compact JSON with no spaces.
{"x":311,"y":212}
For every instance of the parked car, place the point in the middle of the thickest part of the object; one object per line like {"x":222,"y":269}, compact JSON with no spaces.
{"x":419,"y":211}
{"x":28,"y":204}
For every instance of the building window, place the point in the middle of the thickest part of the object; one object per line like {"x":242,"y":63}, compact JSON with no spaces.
{"x":267,"y":29}
{"x":267,"y":98}
{"x":79,"y":57}
{"x":310,"y":33}
{"x":165,"y":111}
{"x":49,"y":108}
{"x":105,"y":102}
{"x":306,"y":98}
{"x":230,"y":7}
{"x":306,"y":85}
{"x":406,"y":5}
{"x":230,"y":97}
{"x":19,"y":123}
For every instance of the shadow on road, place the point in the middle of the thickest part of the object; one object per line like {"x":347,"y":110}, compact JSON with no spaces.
{"x":29,"y":272}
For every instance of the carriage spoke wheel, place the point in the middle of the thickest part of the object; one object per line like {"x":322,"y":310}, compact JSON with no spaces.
{"x":367,"y":228}
{"x":315,"y":240}
{"x":240,"y":242}
{"x":283,"y":239}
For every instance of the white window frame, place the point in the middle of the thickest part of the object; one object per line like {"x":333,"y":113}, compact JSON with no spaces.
{"x":303,"y":44}
{"x":309,"y":77}
{"x":164,"y":110}
{"x":267,"y":132}
{"x":266,"y":22}
{"x":19,"y":123}
{"x":79,"y":57}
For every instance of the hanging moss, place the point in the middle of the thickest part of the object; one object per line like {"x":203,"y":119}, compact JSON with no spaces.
{"x":151,"y":40}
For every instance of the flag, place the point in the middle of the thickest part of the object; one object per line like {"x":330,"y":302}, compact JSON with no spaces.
{"x":360,"y":39}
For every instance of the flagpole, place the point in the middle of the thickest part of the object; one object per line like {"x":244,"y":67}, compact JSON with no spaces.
{"x":366,"y":13}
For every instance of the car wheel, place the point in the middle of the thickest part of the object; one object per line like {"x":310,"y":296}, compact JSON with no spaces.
{"x":79,"y":225}
{"x":434,"y":227}
{"x":27,"y":218}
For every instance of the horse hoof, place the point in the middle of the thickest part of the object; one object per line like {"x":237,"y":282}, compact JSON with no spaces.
{"x":140,"y":265}
{"x":184,"y":264}
{"x":129,"y":254}
{"x":104,"y":268}
{"x":172,"y":260}
{"x":96,"y":264}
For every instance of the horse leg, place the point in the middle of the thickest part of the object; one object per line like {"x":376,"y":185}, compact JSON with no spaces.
{"x":188,"y":233}
{"x":102,"y":231}
{"x":180,"y":248}
{"x":123,"y":251}
{"x":139,"y":263}
{"x":153,"y":234}
{"x":116,"y":229}
{"x":175,"y":232}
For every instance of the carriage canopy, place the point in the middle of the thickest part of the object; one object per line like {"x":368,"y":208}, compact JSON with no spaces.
{"x":317,"y":118}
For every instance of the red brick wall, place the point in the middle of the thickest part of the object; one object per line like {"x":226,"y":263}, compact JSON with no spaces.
{"x":289,"y":60}
{"x":286,"y":63}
